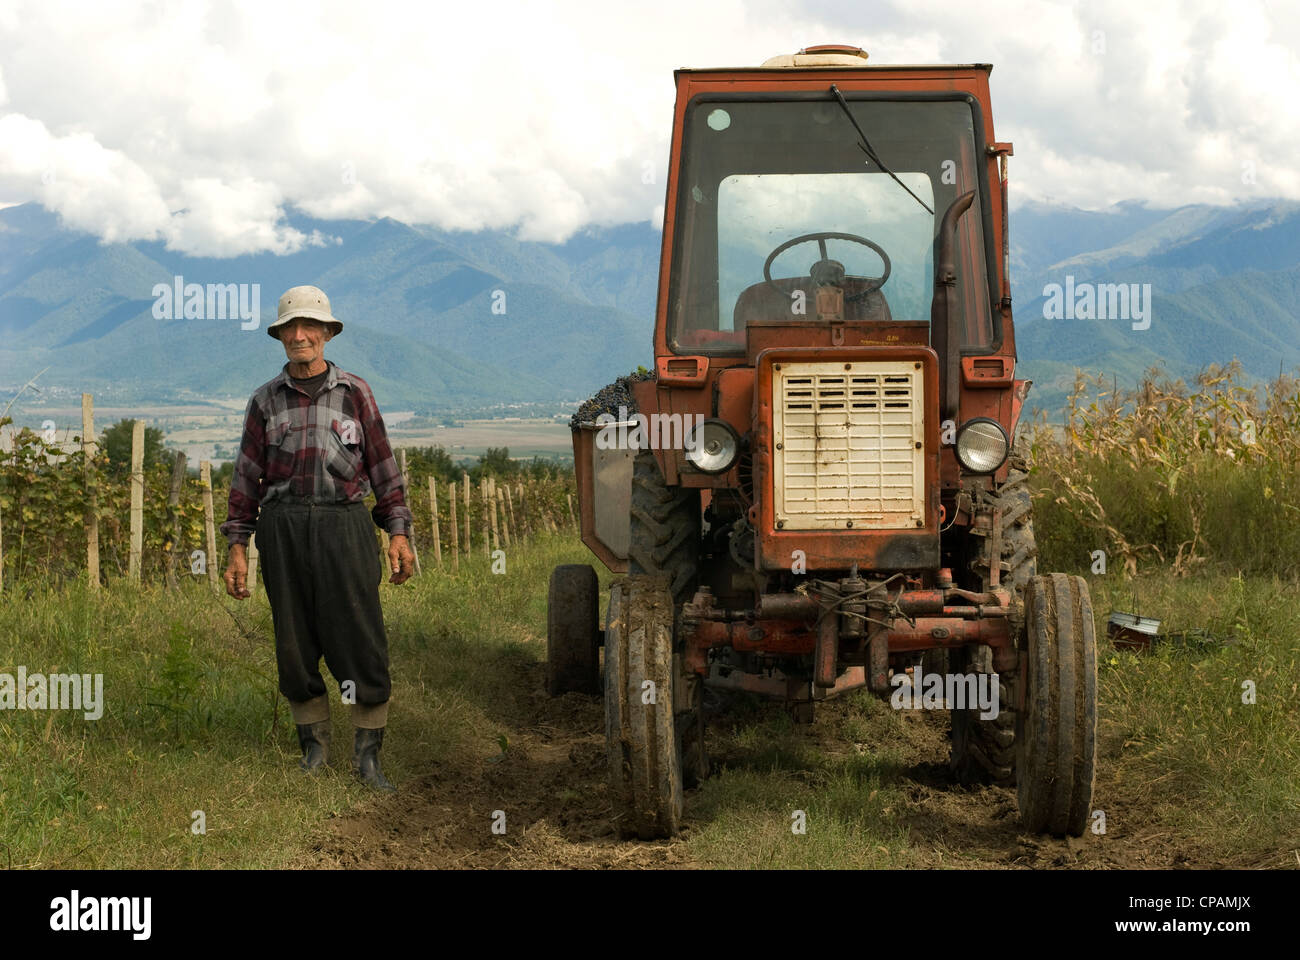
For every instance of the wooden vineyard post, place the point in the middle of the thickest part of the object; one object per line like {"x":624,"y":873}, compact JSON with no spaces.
{"x":468,"y":544}
{"x":172,"y":542}
{"x":209,"y":524}
{"x":492,"y":509}
{"x":455,"y":535}
{"x":487,"y":523}
{"x":406,"y":495}
{"x":137,"y":500}
{"x":523,"y":515}
{"x":510,"y":510}
{"x":89,"y":448}
{"x":433,"y":522}
{"x":505,"y":519}
{"x":572,"y":521}
{"x":251,"y":583}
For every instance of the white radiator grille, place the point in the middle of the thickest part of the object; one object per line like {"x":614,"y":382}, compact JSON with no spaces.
{"x":846,"y":445}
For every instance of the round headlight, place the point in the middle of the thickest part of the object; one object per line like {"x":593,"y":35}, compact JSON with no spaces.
{"x":982,"y":445}
{"x":713,"y":447}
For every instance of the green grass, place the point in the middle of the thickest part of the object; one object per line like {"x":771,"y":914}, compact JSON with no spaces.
{"x":1173,"y":728}
{"x":851,"y":802}
{"x":193,"y":722}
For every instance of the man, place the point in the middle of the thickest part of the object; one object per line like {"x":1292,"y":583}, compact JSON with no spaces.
{"x":314,"y":445}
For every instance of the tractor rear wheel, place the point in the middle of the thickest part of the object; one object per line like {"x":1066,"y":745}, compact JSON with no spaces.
{"x":665,"y":534}
{"x":1057,"y":729}
{"x":644,"y":752}
{"x":690,"y":727}
{"x":984,"y":751}
{"x":573,"y":631}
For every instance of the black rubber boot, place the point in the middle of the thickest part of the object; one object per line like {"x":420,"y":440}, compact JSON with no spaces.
{"x":365,"y":758}
{"x":314,"y":738}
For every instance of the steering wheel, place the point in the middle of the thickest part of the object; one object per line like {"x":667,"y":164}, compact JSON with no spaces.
{"x":873,"y":283}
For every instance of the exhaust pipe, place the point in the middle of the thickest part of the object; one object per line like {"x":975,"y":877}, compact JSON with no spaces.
{"x":943,"y":308}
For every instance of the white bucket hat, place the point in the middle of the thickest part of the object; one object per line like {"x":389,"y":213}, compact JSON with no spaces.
{"x":309,"y":302}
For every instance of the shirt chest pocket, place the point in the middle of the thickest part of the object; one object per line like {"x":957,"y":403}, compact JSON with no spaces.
{"x":281,"y":444}
{"x":344,"y":449}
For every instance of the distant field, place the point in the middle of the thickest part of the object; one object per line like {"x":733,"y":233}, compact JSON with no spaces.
{"x":204,"y":430}
{"x":525,"y":438}
{"x":107,"y":412}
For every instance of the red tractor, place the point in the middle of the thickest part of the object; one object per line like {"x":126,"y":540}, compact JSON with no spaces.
{"x":817,"y":489}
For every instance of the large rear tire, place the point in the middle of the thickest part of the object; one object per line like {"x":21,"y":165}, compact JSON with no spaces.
{"x":691,"y":726}
{"x":573,"y":631}
{"x":1056,"y":732}
{"x":984,"y":751}
{"x":665,"y":529}
{"x":645,"y":763}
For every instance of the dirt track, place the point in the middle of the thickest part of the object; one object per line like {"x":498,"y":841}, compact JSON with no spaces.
{"x":551,"y":784}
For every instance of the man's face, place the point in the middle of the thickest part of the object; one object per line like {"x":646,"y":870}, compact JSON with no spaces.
{"x":304,"y":340}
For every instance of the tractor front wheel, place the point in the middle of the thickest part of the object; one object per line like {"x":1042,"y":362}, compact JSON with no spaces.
{"x":1056,"y":730}
{"x":644,"y":751}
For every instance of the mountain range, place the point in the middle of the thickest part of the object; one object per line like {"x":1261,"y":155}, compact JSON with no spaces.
{"x":439,"y":321}
{"x":1224,"y":281}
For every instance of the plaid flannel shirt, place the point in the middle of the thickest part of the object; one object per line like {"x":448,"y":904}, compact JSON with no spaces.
{"x":334,"y":448}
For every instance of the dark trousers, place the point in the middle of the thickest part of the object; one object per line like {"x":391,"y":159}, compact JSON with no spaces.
{"x":322,"y":572}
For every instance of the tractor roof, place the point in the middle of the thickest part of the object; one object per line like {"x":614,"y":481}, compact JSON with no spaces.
{"x":834,"y":56}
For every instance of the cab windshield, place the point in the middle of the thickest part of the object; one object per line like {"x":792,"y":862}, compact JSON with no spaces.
{"x":758,"y":173}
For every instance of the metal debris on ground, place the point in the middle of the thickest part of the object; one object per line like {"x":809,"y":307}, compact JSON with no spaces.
{"x":1128,"y":631}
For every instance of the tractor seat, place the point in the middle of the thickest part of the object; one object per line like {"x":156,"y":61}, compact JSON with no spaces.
{"x":760,"y":302}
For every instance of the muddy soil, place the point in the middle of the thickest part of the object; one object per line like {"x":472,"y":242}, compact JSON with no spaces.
{"x":550,"y":783}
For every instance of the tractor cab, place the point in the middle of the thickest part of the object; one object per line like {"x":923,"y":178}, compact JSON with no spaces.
{"x":822,"y":206}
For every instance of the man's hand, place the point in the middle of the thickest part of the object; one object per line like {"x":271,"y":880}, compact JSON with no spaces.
{"x":237,"y":572}
{"x":401,"y":560}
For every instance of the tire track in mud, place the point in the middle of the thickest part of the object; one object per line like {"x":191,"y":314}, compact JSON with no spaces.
{"x":552,"y":786}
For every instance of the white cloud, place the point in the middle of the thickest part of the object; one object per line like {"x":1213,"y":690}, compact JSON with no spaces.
{"x":201,"y":123}
{"x":93,"y":188}
{"x":1160,"y":101}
